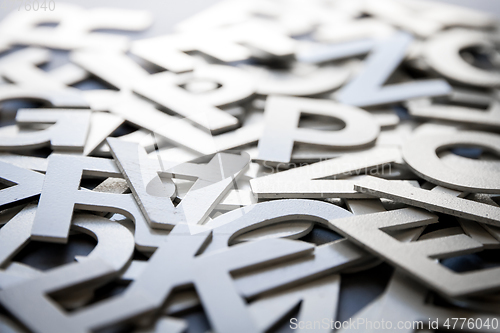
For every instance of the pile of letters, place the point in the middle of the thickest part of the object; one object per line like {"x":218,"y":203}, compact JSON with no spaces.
{"x":245,"y":163}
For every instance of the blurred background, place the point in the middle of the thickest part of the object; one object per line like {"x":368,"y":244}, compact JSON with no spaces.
{"x":167,"y":13}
